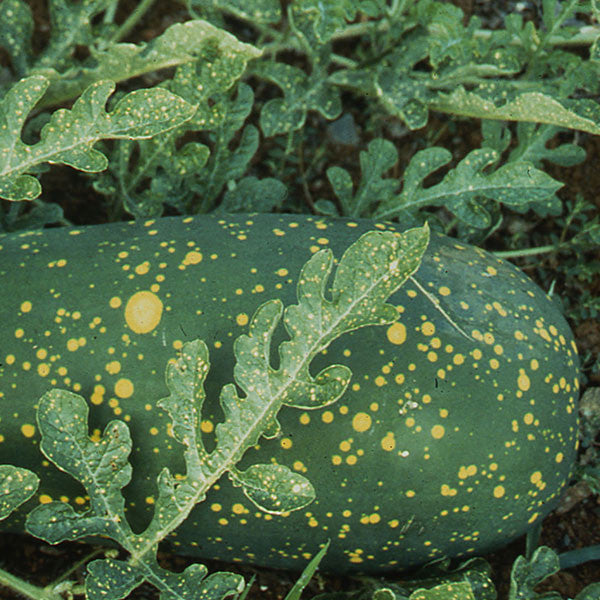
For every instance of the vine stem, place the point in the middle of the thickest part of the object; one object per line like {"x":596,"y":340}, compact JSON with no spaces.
{"x":527,"y":251}
{"x":26,"y":589}
{"x":132,"y":20}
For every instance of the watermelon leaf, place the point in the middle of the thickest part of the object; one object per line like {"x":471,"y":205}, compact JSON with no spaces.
{"x":17,"y":485}
{"x":70,"y":135}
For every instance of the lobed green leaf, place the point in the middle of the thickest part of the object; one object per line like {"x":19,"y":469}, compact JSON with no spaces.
{"x":581,"y":114}
{"x":101,"y":466}
{"x":17,"y":485}
{"x":526,"y":574}
{"x":518,"y":184}
{"x":273,"y":488}
{"x":185,"y":379}
{"x":223,"y":57}
{"x":301,"y":94}
{"x":193,"y":584}
{"x":373,"y":188}
{"x":16,"y":29}
{"x":70,"y":135}
{"x":111,"y":579}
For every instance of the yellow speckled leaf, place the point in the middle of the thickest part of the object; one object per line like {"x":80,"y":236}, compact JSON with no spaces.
{"x":579,"y":114}
{"x":459,"y":590}
{"x":274,"y":488}
{"x":70,"y":135}
{"x":16,"y":486}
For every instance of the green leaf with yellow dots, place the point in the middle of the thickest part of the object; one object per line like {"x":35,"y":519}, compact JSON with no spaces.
{"x":580,"y":113}
{"x":274,"y":488}
{"x":17,"y":485}
{"x":368,"y":273}
{"x":111,"y":579}
{"x":457,"y":590}
{"x":16,"y":29}
{"x":222,"y":56}
{"x":185,"y":379}
{"x":462,"y":191}
{"x":302,"y":93}
{"x":101,"y":466}
{"x":70,"y":135}
{"x":194,"y":584}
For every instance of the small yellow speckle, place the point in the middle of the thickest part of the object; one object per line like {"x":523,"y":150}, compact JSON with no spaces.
{"x":327,"y":416}
{"x":28,"y":430}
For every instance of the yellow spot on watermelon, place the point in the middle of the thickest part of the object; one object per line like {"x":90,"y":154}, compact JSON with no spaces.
{"x":327,"y":416}
{"x":28,"y":430}
{"x":98,"y":395}
{"x":361,"y":422}
{"x":388,"y":443}
{"x":396,"y":333}
{"x":143,"y":312}
{"x":437,"y":431}
{"x":206,"y":426}
{"x":523,"y":381}
{"x":124,"y":388}
{"x":115,"y":302}
{"x":192,"y":258}
{"x":428,"y":328}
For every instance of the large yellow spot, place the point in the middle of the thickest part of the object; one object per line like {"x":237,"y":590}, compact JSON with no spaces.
{"x":98,"y":395}
{"x":396,"y":333}
{"x":192,"y":258}
{"x":143,"y":268}
{"x":206,"y":426}
{"x":26,"y":306}
{"x":143,"y":312}
{"x":458,"y":359}
{"x":124,"y":388}
{"x":242,"y":319}
{"x":361,"y":422}
{"x":437,"y":431}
